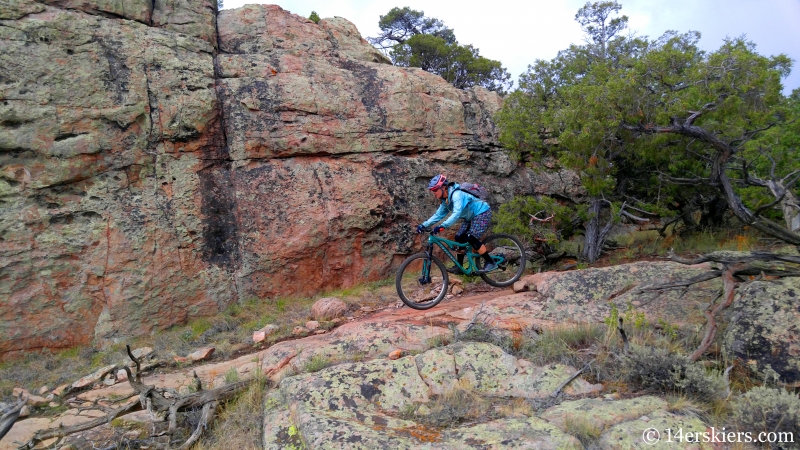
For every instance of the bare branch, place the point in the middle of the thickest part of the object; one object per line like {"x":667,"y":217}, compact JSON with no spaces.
{"x":727,"y":259}
{"x":687,"y":181}
{"x":763,"y":208}
{"x":695,"y":114}
{"x":205,"y":421}
{"x":626,"y":346}
{"x":59,"y":432}
{"x":772,"y":165}
{"x":727,"y":377}
{"x":138,"y":365}
{"x":156,"y":401}
{"x":474,"y":318}
{"x":632,"y":217}
{"x":569,"y":380}
{"x":789,"y":182}
{"x":729,"y":288}
{"x":10,"y":415}
{"x":534,"y":217}
{"x":681,"y":284}
{"x":198,"y":385}
{"x":749,"y":135}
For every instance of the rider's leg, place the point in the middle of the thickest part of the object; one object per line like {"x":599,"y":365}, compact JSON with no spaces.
{"x":478,"y":227}
{"x":461,"y":238}
{"x":479,"y":248}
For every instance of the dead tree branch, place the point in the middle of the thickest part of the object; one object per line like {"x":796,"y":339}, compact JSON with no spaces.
{"x":626,"y":346}
{"x":159,"y":402}
{"x":60,"y":432}
{"x":729,"y":288}
{"x":728,"y":259}
{"x":569,"y":380}
{"x":10,"y":415}
{"x":681,"y":284}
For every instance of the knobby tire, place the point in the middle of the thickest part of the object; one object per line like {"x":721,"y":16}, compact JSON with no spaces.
{"x":514,"y":253}
{"x":414,"y":294}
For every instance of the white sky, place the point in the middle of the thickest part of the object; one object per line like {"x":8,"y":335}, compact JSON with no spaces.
{"x":518,"y":32}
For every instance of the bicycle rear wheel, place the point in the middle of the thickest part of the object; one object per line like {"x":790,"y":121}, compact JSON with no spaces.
{"x":511,"y":255}
{"x":421,"y":282}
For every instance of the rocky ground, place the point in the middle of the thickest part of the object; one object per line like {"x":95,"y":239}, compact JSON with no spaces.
{"x":385,"y":380}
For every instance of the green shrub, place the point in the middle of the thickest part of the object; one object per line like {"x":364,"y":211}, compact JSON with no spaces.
{"x":314,"y":17}
{"x":232,"y":376}
{"x":317,"y":363}
{"x":514,"y":218}
{"x":768,"y":410}
{"x":668,"y":373}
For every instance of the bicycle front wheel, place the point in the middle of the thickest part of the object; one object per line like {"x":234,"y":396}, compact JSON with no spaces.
{"x":421,"y":282}
{"x":511,"y":256}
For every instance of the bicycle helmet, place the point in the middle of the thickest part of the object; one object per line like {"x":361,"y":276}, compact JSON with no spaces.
{"x":437,"y":182}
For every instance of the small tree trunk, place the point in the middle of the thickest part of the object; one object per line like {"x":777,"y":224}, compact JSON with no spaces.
{"x":595,"y":235}
{"x":591,"y":246}
{"x":790,"y":205}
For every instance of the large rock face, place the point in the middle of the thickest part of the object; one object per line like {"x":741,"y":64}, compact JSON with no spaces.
{"x":158,"y":162}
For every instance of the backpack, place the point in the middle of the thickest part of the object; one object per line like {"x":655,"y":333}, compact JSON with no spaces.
{"x":474,"y":189}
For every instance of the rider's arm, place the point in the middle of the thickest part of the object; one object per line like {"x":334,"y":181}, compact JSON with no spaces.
{"x":437,"y":216}
{"x":460,"y":201}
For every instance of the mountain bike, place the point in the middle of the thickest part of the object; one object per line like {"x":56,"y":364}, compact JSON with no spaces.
{"x":422,"y":279}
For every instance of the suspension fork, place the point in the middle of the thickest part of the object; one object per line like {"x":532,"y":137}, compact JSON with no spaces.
{"x":426,"y":266}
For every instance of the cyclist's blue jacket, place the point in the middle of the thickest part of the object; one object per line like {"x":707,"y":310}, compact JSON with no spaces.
{"x":460,"y":205}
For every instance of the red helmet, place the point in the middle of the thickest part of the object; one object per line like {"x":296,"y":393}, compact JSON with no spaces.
{"x":437,"y":182}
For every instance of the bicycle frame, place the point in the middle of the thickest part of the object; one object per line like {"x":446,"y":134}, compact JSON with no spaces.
{"x":447,"y":245}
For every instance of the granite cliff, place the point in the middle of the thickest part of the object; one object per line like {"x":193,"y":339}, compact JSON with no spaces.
{"x":160,"y":162}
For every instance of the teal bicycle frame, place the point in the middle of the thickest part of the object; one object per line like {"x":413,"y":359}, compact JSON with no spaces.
{"x":446,"y":246}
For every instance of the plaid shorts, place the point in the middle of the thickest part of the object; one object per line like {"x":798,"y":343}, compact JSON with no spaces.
{"x":478,"y":225}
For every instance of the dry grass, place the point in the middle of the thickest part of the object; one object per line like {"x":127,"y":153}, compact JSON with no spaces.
{"x":583,"y":429}
{"x":686,"y":406}
{"x":517,"y":407}
{"x":239,"y":423}
{"x":52,"y":369}
{"x":461,"y":404}
{"x":650,"y":243}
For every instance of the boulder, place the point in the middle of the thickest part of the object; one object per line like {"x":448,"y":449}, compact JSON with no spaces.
{"x":588,"y":295}
{"x":328,"y":308}
{"x":362,"y":402}
{"x":261,"y":335}
{"x":201,"y":354}
{"x":92,"y":378}
{"x":142,"y":353}
{"x":762,"y":330}
{"x":300,"y":331}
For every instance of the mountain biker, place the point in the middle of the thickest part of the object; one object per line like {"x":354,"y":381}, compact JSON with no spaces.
{"x":475,"y":212}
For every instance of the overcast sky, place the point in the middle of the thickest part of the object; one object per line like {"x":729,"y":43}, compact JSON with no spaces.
{"x":518,"y":32}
